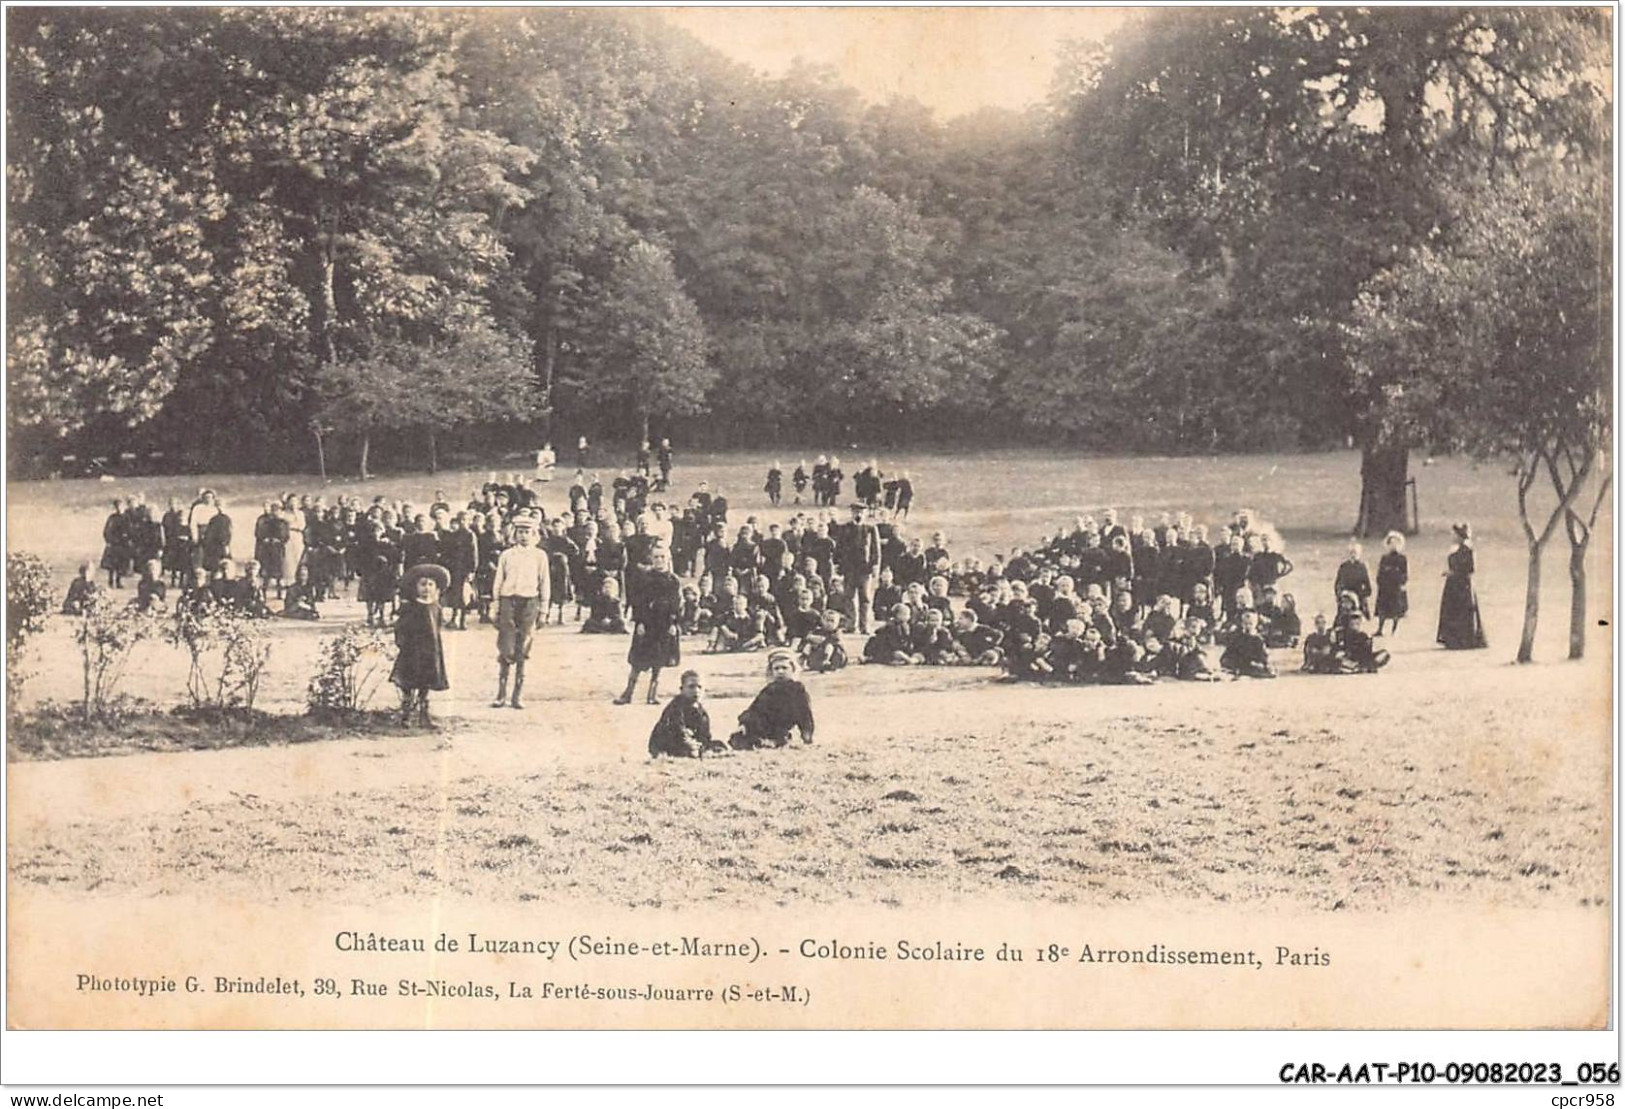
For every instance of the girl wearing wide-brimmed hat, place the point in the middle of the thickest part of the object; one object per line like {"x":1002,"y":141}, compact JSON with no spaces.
{"x":420,"y":661}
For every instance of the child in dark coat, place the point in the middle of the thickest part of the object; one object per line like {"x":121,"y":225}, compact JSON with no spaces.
{"x":1360,"y":654}
{"x":1320,"y":652}
{"x":1353,"y":576}
{"x":1246,"y":655}
{"x":606,"y":616}
{"x":684,"y":728}
{"x":780,"y":708}
{"x":82,"y":593}
{"x":822,"y":650}
{"x":1393,"y":575}
{"x":420,"y":664}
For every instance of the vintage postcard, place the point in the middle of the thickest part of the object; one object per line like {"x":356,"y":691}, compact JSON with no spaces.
{"x":806,"y":518}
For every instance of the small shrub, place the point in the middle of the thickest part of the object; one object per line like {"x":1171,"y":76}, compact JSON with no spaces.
{"x":29,"y":600}
{"x":349,"y":668}
{"x":107,"y":633}
{"x":227,"y":651}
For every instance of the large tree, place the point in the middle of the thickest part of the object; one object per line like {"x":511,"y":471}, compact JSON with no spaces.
{"x":477,"y":373}
{"x":649,"y":347}
{"x":1497,"y":338}
{"x":1299,"y":152}
{"x":108,"y":267}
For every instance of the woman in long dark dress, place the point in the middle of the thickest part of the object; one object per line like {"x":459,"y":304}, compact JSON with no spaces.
{"x":1459,"y":625}
{"x":657,"y":610}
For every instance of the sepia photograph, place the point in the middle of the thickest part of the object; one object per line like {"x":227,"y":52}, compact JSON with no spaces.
{"x":810,"y":518}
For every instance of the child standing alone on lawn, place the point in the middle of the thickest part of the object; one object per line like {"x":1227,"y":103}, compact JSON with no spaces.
{"x":420,"y":664}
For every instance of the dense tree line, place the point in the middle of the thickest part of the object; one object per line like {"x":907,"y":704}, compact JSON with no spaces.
{"x":266,"y":234}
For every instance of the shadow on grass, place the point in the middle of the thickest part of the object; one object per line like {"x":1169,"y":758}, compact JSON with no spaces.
{"x":58,"y":731}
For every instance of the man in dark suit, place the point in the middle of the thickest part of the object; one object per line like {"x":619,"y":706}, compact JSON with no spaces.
{"x":858,"y":551}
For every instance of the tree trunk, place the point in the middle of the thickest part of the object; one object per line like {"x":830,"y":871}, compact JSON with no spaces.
{"x":366,"y":446}
{"x":330,"y":307}
{"x":1531,"y":604}
{"x":1384,"y":471}
{"x":643,"y":425}
{"x":550,"y":362}
{"x":321,"y":455}
{"x":1544,"y":456}
{"x":1577,"y":598}
{"x":434,"y":452}
{"x":1579,"y":531}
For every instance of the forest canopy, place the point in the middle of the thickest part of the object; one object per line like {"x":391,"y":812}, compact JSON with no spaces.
{"x":238,"y":233}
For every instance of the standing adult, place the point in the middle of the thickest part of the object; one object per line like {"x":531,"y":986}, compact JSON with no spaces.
{"x":521,"y":589}
{"x":859,"y":554}
{"x":197,"y":522}
{"x":656,"y":615}
{"x":1459,"y":625}
{"x":546,"y":460}
{"x":298,"y":521}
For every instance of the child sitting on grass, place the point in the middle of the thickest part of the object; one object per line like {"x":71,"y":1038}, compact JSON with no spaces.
{"x":1320,"y":651}
{"x":933,"y":642}
{"x":1065,"y":652}
{"x":299,"y":599}
{"x":150,"y":591}
{"x":1193,"y":664}
{"x":684,"y":728}
{"x":81,"y":593}
{"x":1246,"y":655}
{"x":782,"y":707}
{"x":689,"y":619}
{"x":1279,"y":614}
{"x":740,"y":630}
{"x":822,"y":650}
{"x":1026,"y":645}
{"x":977,"y":643}
{"x":1360,"y":655}
{"x":893,"y":643}
{"x":605,"y":616}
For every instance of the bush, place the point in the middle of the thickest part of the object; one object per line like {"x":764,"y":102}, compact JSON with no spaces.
{"x":107,"y":633}
{"x":350,"y":668}
{"x":29,"y":600}
{"x":227,"y":650}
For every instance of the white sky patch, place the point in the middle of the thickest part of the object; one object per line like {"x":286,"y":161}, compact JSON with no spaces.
{"x":952,"y":60}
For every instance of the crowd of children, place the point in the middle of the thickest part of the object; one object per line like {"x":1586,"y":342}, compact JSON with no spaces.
{"x":870,"y":486}
{"x":1100,"y":601}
